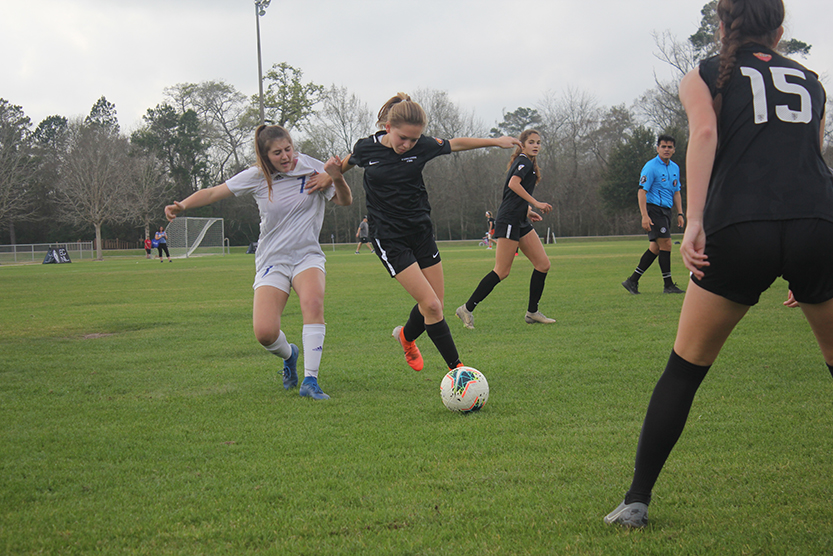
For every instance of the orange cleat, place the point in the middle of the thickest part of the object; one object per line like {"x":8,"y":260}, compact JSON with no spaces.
{"x":412,"y":354}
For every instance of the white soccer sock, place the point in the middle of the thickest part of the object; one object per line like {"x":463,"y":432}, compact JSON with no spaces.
{"x":313,"y":335}
{"x":280,"y":347}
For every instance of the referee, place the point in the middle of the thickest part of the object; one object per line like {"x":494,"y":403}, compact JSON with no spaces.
{"x":659,"y":194}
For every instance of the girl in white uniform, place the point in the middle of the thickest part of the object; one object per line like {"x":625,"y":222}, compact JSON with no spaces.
{"x":288,"y":253}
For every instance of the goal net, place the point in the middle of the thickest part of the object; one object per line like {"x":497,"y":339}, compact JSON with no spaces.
{"x":190,"y":236}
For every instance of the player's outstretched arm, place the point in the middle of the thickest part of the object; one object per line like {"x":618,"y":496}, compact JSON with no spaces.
{"x":198,"y":199}
{"x":469,"y":143}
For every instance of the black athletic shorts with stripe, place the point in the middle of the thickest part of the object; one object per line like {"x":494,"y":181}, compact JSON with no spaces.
{"x":399,"y":253}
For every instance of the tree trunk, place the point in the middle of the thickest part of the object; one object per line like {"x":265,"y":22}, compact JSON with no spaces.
{"x":12,"y":237}
{"x":98,"y":255}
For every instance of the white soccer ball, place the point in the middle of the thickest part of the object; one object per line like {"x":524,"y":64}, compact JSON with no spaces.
{"x":464,"y":389}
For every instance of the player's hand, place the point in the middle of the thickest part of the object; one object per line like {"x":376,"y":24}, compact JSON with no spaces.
{"x":790,"y":302}
{"x":318,"y":182}
{"x":693,"y":247}
{"x":507,"y":142}
{"x":171,"y":211}
{"x":543,"y":207}
{"x":680,"y":221}
{"x":333,"y":167}
{"x":534,"y":216}
{"x":647,"y":223}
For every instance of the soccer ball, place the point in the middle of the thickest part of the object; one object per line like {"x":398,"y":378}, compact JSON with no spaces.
{"x":464,"y":389}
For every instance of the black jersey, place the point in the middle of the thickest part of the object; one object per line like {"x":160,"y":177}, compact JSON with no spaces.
{"x":397,"y":203}
{"x":768,"y":164}
{"x":513,"y":208}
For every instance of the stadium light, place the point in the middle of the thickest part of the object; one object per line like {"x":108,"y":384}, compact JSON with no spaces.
{"x":260,"y":10}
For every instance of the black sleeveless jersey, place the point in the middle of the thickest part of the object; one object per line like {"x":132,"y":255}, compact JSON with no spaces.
{"x":768,"y":164}
{"x":513,"y":208}
{"x":397,"y":202}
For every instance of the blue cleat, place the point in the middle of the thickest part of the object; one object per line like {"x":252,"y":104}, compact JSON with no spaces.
{"x":290,"y":374}
{"x":310,"y":389}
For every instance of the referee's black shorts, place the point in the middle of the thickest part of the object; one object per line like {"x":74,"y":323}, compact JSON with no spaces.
{"x":746,"y":258}
{"x":399,"y":253}
{"x":661,"y":218}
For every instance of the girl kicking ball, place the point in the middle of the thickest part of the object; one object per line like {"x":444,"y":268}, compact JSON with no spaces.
{"x":400,"y":217}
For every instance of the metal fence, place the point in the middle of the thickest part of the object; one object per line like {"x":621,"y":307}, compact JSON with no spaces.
{"x":36,"y":252}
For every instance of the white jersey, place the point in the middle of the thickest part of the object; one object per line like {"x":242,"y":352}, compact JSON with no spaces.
{"x":291,"y":221}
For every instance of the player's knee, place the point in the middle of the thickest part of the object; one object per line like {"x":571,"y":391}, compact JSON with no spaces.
{"x":266,"y":335}
{"x":543,"y":266}
{"x":432,"y":309}
{"x":312,"y":308}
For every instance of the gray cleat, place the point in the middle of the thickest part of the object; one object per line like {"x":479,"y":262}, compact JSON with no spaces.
{"x":633,"y":515}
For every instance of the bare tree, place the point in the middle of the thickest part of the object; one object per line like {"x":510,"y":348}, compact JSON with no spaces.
{"x":148,"y":189}
{"x":17,"y":166}
{"x":342,"y":120}
{"x":223,"y":114}
{"x":92,"y":188}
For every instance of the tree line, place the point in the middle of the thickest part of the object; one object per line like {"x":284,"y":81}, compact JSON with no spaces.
{"x":68,"y":179}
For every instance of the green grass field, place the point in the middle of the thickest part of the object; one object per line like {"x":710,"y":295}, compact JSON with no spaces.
{"x":139,"y":416}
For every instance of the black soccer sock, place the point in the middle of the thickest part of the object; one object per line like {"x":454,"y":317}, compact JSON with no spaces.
{"x":665,"y":267}
{"x":536,"y":288}
{"x":441,"y":336}
{"x":415,"y":325}
{"x":483,"y":289}
{"x":830,"y":368}
{"x":664,"y":422}
{"x":646,"y":261}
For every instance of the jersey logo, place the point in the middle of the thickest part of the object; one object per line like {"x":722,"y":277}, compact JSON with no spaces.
{"x":643,"y":179}
{"x":372,"y":162}
{"x":521,"y":166}
{"x":763,"y":57}
{"x":409,"y":159}
{"x":438,"y":140}
{"x":675,"y":183}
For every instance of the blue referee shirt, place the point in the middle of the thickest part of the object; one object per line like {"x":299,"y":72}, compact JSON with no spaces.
{"x":660,"y":182}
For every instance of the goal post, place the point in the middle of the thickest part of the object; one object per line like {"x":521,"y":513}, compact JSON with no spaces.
{"x":190,"y":236}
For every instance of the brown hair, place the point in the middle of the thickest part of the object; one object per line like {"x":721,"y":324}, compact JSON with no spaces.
{"x":518,"y":150}
{"x":399,"y":110}
{"x":744,"y":21}
{"x":265,"y":135}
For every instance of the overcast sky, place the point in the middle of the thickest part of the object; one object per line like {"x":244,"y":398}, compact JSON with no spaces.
{"x":60,"y":56}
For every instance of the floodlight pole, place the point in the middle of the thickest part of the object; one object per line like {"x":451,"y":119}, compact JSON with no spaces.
{"x":260,"y":9}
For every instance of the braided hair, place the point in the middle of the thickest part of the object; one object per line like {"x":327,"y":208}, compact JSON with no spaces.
{"x":744,"y":21}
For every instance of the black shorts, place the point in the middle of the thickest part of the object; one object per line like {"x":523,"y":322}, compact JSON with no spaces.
{"x":513,"y":231}
{"x":399,"y":253}
{"x":364,"y":240}
{"x":661,"y":218}
{"x":746,"y":258}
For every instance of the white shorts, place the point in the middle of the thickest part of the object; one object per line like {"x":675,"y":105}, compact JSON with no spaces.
{"x":281,"y":275}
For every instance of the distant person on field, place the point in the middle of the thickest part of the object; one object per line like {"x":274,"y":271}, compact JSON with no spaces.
{"x":513,"y":228}
{"x":490,"y":234}
{"x":162,"y":243}
{"x":659,"y":196}
{"x":148,"y":247}
{"x":760,"y":205}
{"x":288,"y":256}
{"x":363,"y":234}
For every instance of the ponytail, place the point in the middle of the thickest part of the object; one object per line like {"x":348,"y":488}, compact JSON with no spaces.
{"x":399,"y":110}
